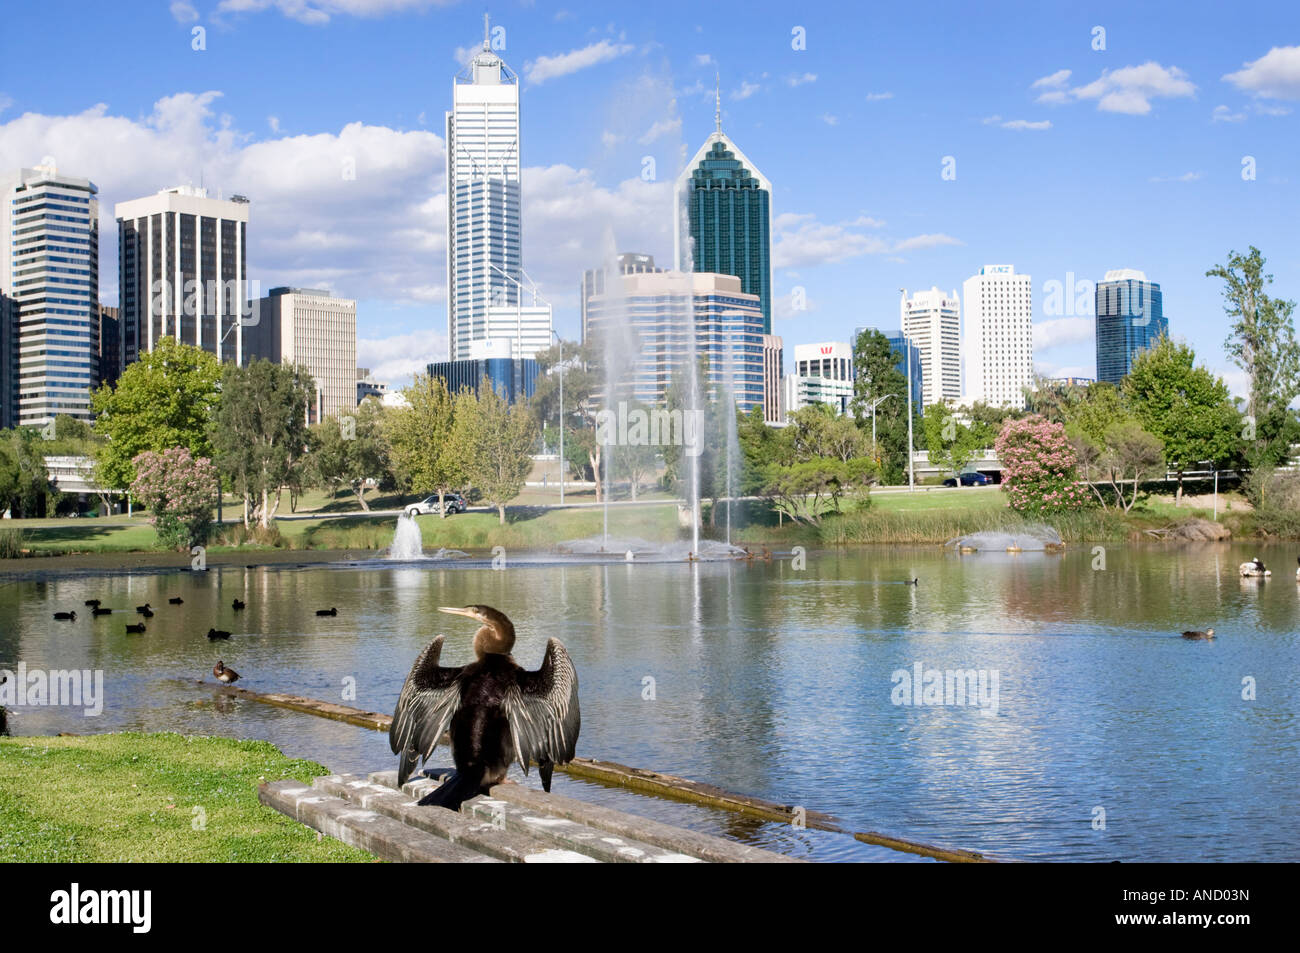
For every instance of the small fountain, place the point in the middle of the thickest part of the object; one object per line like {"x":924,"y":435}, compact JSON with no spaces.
{"x":408,"y":543}
{"x":1031,"y":538}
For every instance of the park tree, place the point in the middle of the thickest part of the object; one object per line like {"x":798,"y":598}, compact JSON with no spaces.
{"x":165,"y":399}
{"x":1186,"y":407}
{"x":876,"y":377}
{"x":178,"y":490}
{"x":1039,"y":472}
{"x":496,"y":441}
{"x":1123,"y":457}
{"x":31,"y":494}
{"x":260,"y":432}
{"x":951,"y":444}
{"x":1262,"y":342}
{"x":583,"y":380}
{"x":1094,"y":409}
{"x":419,"y":436}
{"x":350,"y":450}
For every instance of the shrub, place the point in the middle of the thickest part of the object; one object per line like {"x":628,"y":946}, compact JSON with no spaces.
{"x":11,"y":543}
{"x":1038,"y":468}
{"x":179,"y":491}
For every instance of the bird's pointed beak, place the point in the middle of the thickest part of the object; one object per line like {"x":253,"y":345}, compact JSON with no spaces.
{"x":457,"y":610}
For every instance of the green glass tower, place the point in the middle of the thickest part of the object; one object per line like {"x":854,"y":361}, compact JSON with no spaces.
{"x":724,"y":219}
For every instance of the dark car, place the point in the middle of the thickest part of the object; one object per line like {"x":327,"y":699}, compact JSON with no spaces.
{"x":454,"y":502}
{"x":969,"y":479}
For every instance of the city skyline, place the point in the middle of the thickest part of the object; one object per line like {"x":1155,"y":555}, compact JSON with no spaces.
{"x":1034,"y":173}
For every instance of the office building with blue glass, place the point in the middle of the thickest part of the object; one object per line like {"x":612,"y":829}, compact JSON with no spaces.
{"x":513,"y":378}
{"x":1130,"y":320}
{"x":723,"y":219}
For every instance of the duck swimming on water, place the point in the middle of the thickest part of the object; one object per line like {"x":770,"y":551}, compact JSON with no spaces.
{"x":224,"y":674}
{"x":497,"y":712}
{"x":1208,"y":634}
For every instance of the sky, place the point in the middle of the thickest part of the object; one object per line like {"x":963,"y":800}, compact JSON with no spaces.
{"x":908,"y":144}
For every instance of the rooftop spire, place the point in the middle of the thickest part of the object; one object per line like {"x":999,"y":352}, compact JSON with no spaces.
{"x":487,"y":43}
{"x":717,"y":100}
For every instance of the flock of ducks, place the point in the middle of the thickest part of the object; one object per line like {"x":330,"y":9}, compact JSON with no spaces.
{"x":221,"y":671}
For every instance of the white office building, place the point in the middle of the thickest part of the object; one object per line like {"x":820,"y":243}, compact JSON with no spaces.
{"x":49,"y":271}
{"x":183,"y":271}
{"x":998,"y":338}
{"x":931,"y":322}
{"x":485,"y":271}
{"x":823,"y":374}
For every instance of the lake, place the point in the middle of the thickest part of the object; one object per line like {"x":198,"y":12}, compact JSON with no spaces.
{"x":1099,"y":734}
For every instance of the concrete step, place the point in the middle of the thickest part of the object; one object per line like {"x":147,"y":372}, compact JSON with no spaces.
{"x":549,"y":810}
{"x":468,"y":831}
{"x":386,"y":838}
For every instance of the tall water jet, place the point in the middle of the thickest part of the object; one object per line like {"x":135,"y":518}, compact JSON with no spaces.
{"x":408,"y":542}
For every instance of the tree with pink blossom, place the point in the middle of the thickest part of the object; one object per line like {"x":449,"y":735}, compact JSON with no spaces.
{"x":1038,"y":468}
{"x":178,"y":489}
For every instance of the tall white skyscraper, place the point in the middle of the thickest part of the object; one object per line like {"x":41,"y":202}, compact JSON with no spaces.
{"x":931,"y":321}
{"x":998,"y":340}
{"x":485,"y":272}
{"x":183,"y":271}
{"x":49,"y":269}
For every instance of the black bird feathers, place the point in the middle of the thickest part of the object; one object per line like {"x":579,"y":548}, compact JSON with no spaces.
{"x":496,"y":711}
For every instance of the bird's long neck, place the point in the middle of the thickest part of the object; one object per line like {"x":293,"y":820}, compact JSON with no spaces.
{"x":496,"y":638}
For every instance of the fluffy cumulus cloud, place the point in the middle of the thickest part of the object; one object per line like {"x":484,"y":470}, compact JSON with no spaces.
{"x":183,"y":11}
{"x":1128,"y":89}
{"x":1276,"y":74}
{"x":400,"y":357}
{"x":800,"y":239}
{"x":1063,"y":332}
{"x":553,"y":67}
{"x":1019,"y":125}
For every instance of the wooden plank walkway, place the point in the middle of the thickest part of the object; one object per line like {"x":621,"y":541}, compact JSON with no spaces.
{"x":504,"y":825}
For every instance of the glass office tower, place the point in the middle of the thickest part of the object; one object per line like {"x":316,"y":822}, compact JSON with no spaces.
{"x":1130,"y":320}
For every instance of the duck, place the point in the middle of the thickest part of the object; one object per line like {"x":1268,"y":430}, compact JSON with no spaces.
{"x":134,"y":627}
{"x":66,"y":616}
{"x":496,"y":711}
{"x":98,"y":611}
{"x":146,"y":612}
{"x":1254,"y":568}
{"x":223,"y":674}
{"x":327,"y":611}
{"x":176,"y":601}
{"x":237,"y":605}
{"x":94,"y":603}
{"x":144,"y":608}
{"x":215,"y":634}
{"x":1207,"y":635}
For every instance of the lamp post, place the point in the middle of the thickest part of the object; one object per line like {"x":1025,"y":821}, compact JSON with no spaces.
{"x":875,"y":403}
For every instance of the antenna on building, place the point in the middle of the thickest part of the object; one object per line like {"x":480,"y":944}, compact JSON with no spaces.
{"x":717,"y":99}
{"x":487,"y":43}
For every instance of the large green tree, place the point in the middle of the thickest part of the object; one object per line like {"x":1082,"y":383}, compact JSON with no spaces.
{"x":951,"y":444}
{"x":496,"y":441}
{"x":166,"y":399}
{"x":1186,"y":407}
{"x":1262,"y":342}
{"x":877,"y":375}
{"x":260,"y":432}
{"x":350,"y":450}
{"x":420,"y":437}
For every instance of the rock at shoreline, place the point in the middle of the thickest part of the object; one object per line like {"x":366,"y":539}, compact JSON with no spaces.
{"x":1193,"y":530}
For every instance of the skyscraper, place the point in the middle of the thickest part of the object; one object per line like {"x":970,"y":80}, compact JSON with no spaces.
{"x":314,"y":329}
{"x":931,"y":320}
{"x":183,"y":271}
{"x":723,"y":217}
{"x":485,"y":271}
{"x":998,"y":340}
{"x":593,"y":279}
{"x":1130,"y":320}
{"x":823,"y":373}
{"x":49,"y":268}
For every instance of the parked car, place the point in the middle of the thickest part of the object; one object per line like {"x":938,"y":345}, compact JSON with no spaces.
{"x":455,"y":503}
{"x":969,"y":479}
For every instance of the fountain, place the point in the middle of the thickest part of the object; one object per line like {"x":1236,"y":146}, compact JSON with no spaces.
{"x":1030,"y":538}
{"x":408,"y":543}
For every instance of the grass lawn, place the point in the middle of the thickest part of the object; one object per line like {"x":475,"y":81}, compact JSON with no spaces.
{"x":133,"y":797}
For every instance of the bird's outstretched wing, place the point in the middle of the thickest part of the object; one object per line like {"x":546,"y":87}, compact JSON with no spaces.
{"x":429,"y":698}
{"x":542,"y":708}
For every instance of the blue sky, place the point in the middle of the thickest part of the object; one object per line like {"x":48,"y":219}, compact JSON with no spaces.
{"x":1131,"y":159}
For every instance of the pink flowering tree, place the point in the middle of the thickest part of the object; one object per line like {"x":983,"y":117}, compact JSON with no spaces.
{"x":178,"y":490}
{"x":1038,"y":468}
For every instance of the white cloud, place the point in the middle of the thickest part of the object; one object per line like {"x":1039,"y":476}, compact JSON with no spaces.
{"x":866,"y":221}
{"x":704,"y":59}
{"x":5,"y":102}
{"x":397,"y":358}
{"x":274,"y":123}
{"x":917,"y":242}
{"x":1058,"y":332}
{"x":831,"y":120}
{"x":661,"y":128}
{"x":799,"y":239}
{"x":1224,"y":114}
{"x":1276,"y":74}
{"x":1185,"y":177}
{"x":610,"y":139}
{"x":1018,"y":125}
{"x":552,"y":67}
{"x":746,"y":90}
{"x":183,"y":11}
{"x":1266,"y":110}
{"x":876,"y":97}
{"x":800,"y":80}
{"x":1128,"y":89}
{"x":318,"y":12}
